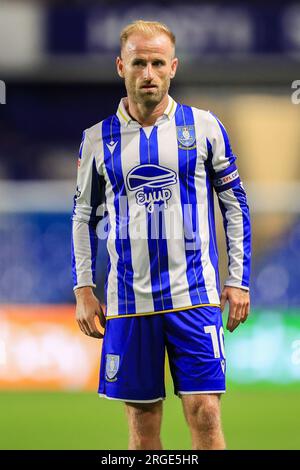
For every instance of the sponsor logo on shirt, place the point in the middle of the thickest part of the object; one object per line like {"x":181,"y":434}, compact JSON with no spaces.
{"x":150,"y":181}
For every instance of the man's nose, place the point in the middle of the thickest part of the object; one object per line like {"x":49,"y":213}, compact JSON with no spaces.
{"x":148,"y":72}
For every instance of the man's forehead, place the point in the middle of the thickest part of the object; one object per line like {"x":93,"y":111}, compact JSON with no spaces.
{"x":140,"y":44}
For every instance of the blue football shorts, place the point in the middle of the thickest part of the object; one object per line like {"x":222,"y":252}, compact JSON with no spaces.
{"x":133,"y":355}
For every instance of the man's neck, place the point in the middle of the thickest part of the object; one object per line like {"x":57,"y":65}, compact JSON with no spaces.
{"x":144,"y":115}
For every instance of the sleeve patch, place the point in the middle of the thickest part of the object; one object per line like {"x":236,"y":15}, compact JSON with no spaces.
{"x":221,"y":181}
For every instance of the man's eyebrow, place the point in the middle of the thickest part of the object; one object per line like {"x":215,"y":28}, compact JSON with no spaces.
{"x":140,"y":59}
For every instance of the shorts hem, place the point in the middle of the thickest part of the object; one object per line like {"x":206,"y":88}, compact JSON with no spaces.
{"x":195,"y":392}
{"x":102,"y":395}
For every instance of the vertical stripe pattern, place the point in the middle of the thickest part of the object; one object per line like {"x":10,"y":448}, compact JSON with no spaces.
{"x":242,"y":199}
{"x":213,"y":247}
{"x":112,"y":160}
{"x":187,"y":164}
{"x":157,"y":245}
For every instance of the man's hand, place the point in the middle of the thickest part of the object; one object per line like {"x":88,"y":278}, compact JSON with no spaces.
{"x":239,"y":306}
{"x":88,"y":306}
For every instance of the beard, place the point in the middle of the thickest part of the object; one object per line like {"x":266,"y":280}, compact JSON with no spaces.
{"x":148,"y":98}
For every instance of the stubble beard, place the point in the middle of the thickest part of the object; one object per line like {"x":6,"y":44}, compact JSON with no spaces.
{"x":148,"y":100}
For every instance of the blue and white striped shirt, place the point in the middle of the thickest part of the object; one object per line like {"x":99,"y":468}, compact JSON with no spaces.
{"x":156,"y":185}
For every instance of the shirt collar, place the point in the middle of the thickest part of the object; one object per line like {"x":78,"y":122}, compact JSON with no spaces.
{"x":126,"y":120}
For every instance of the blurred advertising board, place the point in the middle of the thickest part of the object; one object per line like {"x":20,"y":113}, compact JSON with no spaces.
{"x":266,"y":348}
{"x":201,"y":29}
{"x":42,"y":347}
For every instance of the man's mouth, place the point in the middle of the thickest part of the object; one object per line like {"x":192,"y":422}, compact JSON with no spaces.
{"x":148,"y":87}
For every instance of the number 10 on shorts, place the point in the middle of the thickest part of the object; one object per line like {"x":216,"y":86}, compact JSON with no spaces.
{"x":216,"y":339}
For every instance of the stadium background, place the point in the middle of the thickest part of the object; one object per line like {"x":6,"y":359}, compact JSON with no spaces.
{"x":57,"y":61}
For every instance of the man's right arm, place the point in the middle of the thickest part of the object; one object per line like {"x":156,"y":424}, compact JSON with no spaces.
{"x":221,"y":164}
{"x":90,"y":195}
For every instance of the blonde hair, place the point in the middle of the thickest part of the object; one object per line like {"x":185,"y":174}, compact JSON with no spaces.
{"x":148,"y":28}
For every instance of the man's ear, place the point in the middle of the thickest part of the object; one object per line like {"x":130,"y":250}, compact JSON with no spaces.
{"x":120,"y":67}
{"x":174,"y":66}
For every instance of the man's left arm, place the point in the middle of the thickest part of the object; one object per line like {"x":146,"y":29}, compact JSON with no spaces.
{"x":236,"y":220}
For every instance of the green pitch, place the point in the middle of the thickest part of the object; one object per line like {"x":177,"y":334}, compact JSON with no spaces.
{"x":253,"y":417}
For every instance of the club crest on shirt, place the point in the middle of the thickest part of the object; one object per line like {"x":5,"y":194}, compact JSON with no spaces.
{"x":150,"y":182}
{"x":186,"y":136}
{"x":112,"y":367}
